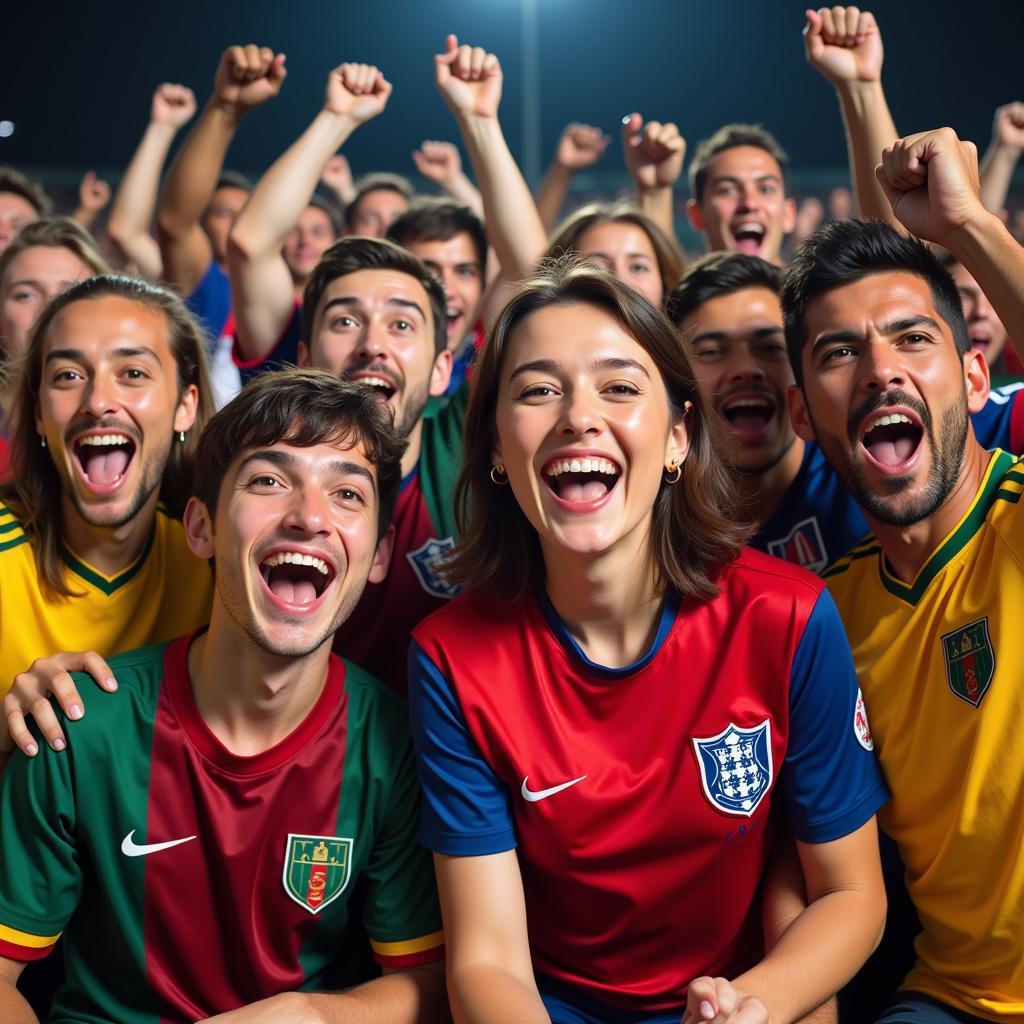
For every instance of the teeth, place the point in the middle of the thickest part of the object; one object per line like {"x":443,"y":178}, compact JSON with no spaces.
{"x":377,"y":382}
{"x":742,"y":403}
{"x":452,"y":313}
{"x":104,"y":440}
{"x":582,"y":466}
{"x":749,"y":226}
{"x":295,"y":558}
{"x":887,"y":420}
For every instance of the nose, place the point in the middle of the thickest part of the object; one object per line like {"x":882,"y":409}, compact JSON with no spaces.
{"x":98,"y":398}
{"x":749,"y":197}
{"x":307,"y":511}
{"x":743,"y":368}
{"x":372,"y":341}
{"x":880,"y":366}
{"x":579,"y":414}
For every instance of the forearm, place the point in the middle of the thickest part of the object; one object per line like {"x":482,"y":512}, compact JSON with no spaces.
{"x":552,"y":193}
{"x":461,"y":189}
{"x":487,"y":994}
{"x":657,"y":204}
{"x":13,"y":1007}
{"x":869,"y":130}
{"x":996,"y":172}
{"x":86,"y":216}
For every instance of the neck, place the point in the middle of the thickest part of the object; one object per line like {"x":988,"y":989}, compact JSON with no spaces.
{"x":251,"y":699}
{"x":907,"y":548}
{"x":610,"y":608}
{"x":110,"y":549}
{"x":412,"y":451}
{"x":763,"y":490}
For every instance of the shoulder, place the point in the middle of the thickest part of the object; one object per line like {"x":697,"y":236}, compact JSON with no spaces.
{"x":12,"y":535}
{"x":847,"y":571}
{"x":754,"y":572}
{"x":469,"y":618}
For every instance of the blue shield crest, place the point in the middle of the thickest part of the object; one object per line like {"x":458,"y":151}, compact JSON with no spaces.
{"x":425,"y":562}
{"x":736,"y":767}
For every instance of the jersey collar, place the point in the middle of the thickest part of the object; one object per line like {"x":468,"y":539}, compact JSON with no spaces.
{"x":108,"y":584}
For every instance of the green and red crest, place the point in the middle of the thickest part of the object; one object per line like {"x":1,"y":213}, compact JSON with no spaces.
{"x":316,"y":869}
{"x":970,"y":661}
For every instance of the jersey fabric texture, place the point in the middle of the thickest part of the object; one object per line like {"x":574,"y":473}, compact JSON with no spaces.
{"x":818,"y":519}
{"x":167,"y":591}
{"x":938,"y":661}
{"x":188,"y":880}
{"x":644,"y":800}
{"x":377,"y":633}
{"x":285,"y":352}
{"x":211,"y":303}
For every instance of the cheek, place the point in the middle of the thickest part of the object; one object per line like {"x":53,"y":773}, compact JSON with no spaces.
{"x":650,"y":286}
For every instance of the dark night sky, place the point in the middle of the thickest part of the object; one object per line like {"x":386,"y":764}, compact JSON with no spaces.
{"x":78,"y":77}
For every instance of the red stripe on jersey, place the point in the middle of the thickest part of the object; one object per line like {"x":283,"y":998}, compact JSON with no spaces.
{"x":221,"y":931}
{"x":24,"y":954}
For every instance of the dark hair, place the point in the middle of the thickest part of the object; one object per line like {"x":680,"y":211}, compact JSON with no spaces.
{"x":33,"y":493}
{"x":695,"y":532}
{"x":56,"y":233}
{"x":729,"y":136}
{"x":438,"y":218}
{"x":232,"y":179}
{"x":358,"y":253}
{"x":719,"y":273}
{"x":565,"y":240}
{"x":376,"y":182}
{"x":301,"y":408}
{"x":332,"y":211}
{"x":846,"y":251}
{"x":32,"y":192}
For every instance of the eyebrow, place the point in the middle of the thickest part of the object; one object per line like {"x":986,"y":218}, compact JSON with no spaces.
{"x":352,"y":300}
{"x":758,"y":332}
{"x":891,"y":327}
{"x":77,"y":355}
{"x":276,"y":457}
{"x":550,"y":366}
{"x":734,"y":178}
{"x":607,"y":256}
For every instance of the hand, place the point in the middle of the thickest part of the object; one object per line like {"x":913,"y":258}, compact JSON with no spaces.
{"x":93,"y":193}
{"x":248,"y":76}
{"x":716,"y":1000}
{"x":337,"y":176}
{"x":439,"y":162}
{"x":357,"y":90}
{"x":931,"y":182}
{"x":844,"y":44}
{"x":1008,"y":127}
{"x":581,"y":145}
{"x":31,"y":689}
{"x":173,"y":105}
{"x":469,"y":78}
{"x":654,"y":151}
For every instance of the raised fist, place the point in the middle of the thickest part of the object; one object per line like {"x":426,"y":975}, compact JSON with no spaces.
{"x":93,"y":193}
{"x":1008,"y":127}
{"x":580,"y":146}
{"x":248,"y":76}
{"x":358,"y":90}
{"x":438,"y":161}
{"x":654,"y":151}
{"x":469,"y":78}
{"x":173,"y":105}
{"x":844,"y":44}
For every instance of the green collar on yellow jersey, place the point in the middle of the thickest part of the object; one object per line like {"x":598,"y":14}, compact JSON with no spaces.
{"x":108,"y":584}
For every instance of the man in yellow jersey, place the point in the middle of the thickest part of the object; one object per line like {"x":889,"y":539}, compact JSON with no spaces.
{"x":105,"y":412}
{"x":933,"y":599}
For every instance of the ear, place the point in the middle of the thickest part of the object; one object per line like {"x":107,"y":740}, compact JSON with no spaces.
{"x":798,"y":414}
{"x":382,"y":557}
{"x":977,"y":381}
{"x":678,"y":445}
{"x":441,"y":375}
{"x":303,"y":356}
{"x":789,"y":217}
{"x":694,"y":213}
{"x":188,"y":405}
{"x":198,"y":529}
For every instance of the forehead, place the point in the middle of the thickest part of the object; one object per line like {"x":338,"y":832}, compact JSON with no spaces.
{"x":460,"y":248}
{"x":743,"y":162}
{"x":374,"y":288}
{"x":12,"y":204}
{"x":328,"y":456}
{"x":382,"y":200}
{"x":874,"y":300}
{"x":230,"y":196}
{"x":46,"y":262}
{"x":736,"y":309}
{"x":615,"y":236}
{"x":98,"y":325}
{"x":313,"y":216}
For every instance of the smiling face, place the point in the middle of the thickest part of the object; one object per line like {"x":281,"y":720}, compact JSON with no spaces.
{"x":887,"y":395}
{"x":625,"y":250}
{"x":744,"y":206}
{"x":307,"y":242}
{"x":376,"y":210}
{"x":294,"y":542}
{"x":984,"y":328}
{"x":584,"y":431}
{"x":457,"y":265}
{"x":109,"y":404}
{"x":739,"y":358}
{"x":225,"y":206}
{"x":376,"y":327}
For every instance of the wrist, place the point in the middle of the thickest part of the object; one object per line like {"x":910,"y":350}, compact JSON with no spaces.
{"x":561,"y":171}
{"x":162,"y":130}
{"x":1006,"y":153}
{"x":228,"y":114}
{"x":971,"y":235}
{"x":859,"y":93}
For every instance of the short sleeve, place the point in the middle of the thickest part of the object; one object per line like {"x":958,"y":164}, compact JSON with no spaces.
{"x":1000,"y":422}
{"x":466,"y":807}
{"x":831,"y":782}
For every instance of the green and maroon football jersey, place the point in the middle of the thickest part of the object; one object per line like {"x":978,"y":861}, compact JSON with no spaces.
{"x":188,"y":880}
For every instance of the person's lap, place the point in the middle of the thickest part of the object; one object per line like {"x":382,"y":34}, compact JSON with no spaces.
{"x":914,"y":1008}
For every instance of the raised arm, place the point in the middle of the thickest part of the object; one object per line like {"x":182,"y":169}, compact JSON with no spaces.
{"x":440,"y":163}
{"x":654,"y":157}
{"x":1002,"y":156}
{"x":246,"y":77}
{"x":470,"y":80}
{"x":261,"y":285}
{"x":93,"y":196}
{"x":580,"y":146}
{"x":844,"y":44}
{"x":131,"y":216}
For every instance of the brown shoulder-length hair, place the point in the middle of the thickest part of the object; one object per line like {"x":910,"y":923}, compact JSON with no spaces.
{"x":33,"y":493}
{"x":565,"y":240}
{"x":696,"y":531}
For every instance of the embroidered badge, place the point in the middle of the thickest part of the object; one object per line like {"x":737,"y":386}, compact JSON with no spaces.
{"x":861,"y":729}
{"x":426,"y":561}
{"x":970,"y":661}
{"x":736,"y":767}
{"x":802,"y":546}
{"x":316,"y":869}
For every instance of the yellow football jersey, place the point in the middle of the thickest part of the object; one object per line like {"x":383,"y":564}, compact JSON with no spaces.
{"x":165,"y":593}
{"x":939,"y":662}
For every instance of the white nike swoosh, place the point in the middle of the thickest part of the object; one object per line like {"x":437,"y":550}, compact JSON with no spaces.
{"x":130,"y":849}
{"x":543,"y":794}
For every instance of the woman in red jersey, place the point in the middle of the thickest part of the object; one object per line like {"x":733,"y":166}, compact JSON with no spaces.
{"x":613,"y":719}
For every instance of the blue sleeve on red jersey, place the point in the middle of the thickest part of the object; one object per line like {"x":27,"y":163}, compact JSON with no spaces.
{"x":831,"y":782}
{"x":466,"y":809}
{"x":211,"y":301}
{"x":1000,"y":423}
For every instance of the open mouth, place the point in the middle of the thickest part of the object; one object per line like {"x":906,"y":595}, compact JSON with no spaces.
{"x":581,"y":481}
{"x":748,"y":235}
{"x":104,"y":458}
{"x":296,"y":578}
{"x":383,"y":387}
{"x":892,"y":439}
{"x":454,"y":317}
{"x":749,"y":414}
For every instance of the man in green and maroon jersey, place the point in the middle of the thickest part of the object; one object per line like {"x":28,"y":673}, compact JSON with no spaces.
{"x":218,"y":834}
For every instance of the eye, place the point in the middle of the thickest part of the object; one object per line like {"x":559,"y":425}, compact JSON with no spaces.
{"x":769,"y":189}
{"x":25,"y":295}
{"x":771,"y":350}
{"x":350,"y":495}
{"x":706,"y":353}
{"x":402,"y":325}
{"x":467,"y":272}
{"x":538,"y":391}
{"x":916,"y":339}
{"x":842,"y":352}
{"x":342,"y":322}
{"x":135,"y":373}
{"x":622,"y":389}
{"x":67,"y":377}
{"x":639,"y":268}
{"x":265,"y":482}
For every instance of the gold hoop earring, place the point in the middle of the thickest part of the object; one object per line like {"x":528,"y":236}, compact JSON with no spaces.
{"x":498,"y":475}
{"x":673,"y":474}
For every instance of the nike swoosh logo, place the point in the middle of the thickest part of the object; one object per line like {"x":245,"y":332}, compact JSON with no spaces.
{"x":130,"y":849}
{"x":543,"y":794}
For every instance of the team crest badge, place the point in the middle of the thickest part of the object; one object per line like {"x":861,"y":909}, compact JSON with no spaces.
{"x":970,"y":661}
{"x":736,"y":767}
{"x":316,"y":869}
{"x":426,"y":561}
{"x":861,"y":729}
{"x":802,"y":546}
